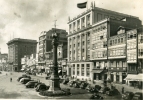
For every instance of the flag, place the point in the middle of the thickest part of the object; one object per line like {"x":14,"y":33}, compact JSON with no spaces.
{"x":82,"y":5}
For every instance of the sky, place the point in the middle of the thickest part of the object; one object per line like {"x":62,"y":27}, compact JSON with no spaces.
{"x":28,"y":18}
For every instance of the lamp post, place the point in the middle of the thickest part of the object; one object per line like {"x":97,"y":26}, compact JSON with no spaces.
{"x":54,"y":76}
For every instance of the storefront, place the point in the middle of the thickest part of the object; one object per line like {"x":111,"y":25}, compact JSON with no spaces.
{"x":135,"y":80}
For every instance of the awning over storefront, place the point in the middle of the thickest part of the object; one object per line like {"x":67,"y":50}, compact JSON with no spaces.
{"x":131,"y":77}
{"x":97,"y":71}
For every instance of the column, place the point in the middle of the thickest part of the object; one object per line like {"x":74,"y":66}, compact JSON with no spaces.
{"x":91,"y":73}
{"x":85,"y":71}
{"x":85,"y":20}
{"x":75,"y":69}
{"x":68,"y":49}
{"x":76,"y":44}
{"x":80,"y":46}
{"x":80,"y":23}
{"x":72,"y":48}
{"x":85,"y":53}
{"x":120,"y":77}
{"x":114,"y":77}
{"x":80,"y":69}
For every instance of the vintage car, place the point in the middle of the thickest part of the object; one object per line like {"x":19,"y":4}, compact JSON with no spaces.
{"x":72,"y":83}
{"x":41,"y":87}
{"x":96,"y":96}
{"x":127,"y":95}
{"x":104,"y":89}
{"x":138,"y":96}
{"x":31,"y":84}
{"x":83,"y":85}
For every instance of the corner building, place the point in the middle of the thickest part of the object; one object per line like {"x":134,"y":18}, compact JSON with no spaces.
{"x":17,"y":49}
{"x":88,"y":38}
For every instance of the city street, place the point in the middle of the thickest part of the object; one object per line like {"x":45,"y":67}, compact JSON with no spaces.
{"x":16,"y":90}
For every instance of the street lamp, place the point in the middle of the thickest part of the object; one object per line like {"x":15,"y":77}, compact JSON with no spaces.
{"x":54,"y":76}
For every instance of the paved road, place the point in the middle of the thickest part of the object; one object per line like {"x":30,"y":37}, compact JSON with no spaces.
{"x":16,"y":90}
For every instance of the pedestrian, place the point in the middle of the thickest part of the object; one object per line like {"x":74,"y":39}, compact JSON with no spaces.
{"x":10,"y":79}
{"x":122,"y":90}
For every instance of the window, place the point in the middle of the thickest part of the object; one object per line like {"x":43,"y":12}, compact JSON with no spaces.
{"x":78,"y":44}
{"x":77,"y":69}
{"x":110,"y":42}
{"x":121,"y":40}
{"x":73,"y":69}
{"x":101,"y":37}
{"x":115,"y":41}
{"x":82,"y":42}
{"x":118,"y":40}
{"x":87,"y":69}
{"x":82,"y":70}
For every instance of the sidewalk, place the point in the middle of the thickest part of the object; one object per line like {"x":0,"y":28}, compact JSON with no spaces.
{"x":119,"y":86}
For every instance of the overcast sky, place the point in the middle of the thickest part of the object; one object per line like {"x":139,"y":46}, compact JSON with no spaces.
{"x":27,"y":18}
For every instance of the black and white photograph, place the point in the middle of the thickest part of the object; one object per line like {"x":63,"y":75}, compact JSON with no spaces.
{"x":71,"y":49}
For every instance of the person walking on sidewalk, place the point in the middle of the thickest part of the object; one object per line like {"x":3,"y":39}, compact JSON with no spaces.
{"x":10,"y":79}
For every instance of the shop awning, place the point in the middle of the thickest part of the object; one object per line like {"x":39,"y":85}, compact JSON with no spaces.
{"x":140,"y":77}
{"x":97,"y":71}
{"x":131,"y":77}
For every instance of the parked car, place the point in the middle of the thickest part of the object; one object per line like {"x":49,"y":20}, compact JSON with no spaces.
{"x":23,"y":76}
{"x":83,"y":85}
{"x":41,"y":87}
{"x":25,"y":80}
{"x":38,"y":84}
{"x":112,"y":92}
{"x":88,"y":87}
{"x":65,"y":81}
{"x":31,"y":84}
{"x":96,"y":97}
{"x":138,"y":96}
{"x":98,"y":87}
{"x":22,"y":79}
{"x":47,"y":77}
{"x":127,"y":95}
{"x":104,"y":89}
{"x":71,"y":83}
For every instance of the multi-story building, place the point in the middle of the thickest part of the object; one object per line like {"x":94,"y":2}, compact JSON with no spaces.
{"x":45,"y":46}
{"x":135,"y":57}
{"x":17,"y":48}
{"x":140,"y":50}
{"x":117,"y":56}
{"x":88,"y":38}
{"x":3,"y":61}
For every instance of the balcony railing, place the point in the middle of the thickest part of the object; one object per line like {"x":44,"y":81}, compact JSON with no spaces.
{"x":132,"y":72}
{"x":117,"y":69}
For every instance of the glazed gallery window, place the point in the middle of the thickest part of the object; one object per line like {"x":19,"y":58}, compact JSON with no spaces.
{"x":77,"y":69}
{"x":82,"y":70}
{"x":87,"y":69}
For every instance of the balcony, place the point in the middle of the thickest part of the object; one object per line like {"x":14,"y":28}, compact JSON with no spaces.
{"x":132,"y":72}
{"x":117,"y":69}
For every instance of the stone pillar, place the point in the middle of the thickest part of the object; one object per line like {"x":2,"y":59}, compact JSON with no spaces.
{"x":120,"y":77}
{"x":75,"y":69}
{"x":80,"y":46}
{"x":114,"y":77}
{"x":85,"y":71}
{"x":85,"y":21}
{"x":76,"y":44}
{"x":72,"y":48}
{"x":85,"y":53}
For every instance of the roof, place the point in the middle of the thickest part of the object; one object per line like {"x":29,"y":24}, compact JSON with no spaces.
{"x":21,"y":40}
{"x":97,"y":70}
